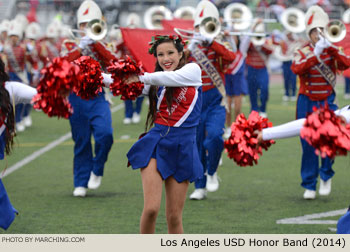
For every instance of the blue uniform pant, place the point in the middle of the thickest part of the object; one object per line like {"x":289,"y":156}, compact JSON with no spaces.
{"x":290,"y":79}
{"x":309,"y":160}
{"x":347,"y":85}
{"x":7,"y":212}
{"x":258,"y":80}
{"x":209,"y":133}
{"x":22,"y":110}
{"x":19,"y":108}
{"x":90,"y":118}
{"x":130,"y":109}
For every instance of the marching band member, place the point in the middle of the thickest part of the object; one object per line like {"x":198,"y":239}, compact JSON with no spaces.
{"x":212,"y":56}
{"x":4,"y":26}
{"x":10,"y":93}
{"x":258,"y":76}
{"x":49,"y":48}
{"x":346,"y":74}
{"x":288,"y":42}
{"x":316,"y":65}
{"x":90,"y":117}
{"x":235,"y":81}
{"x":168,"y":151}
{"x":17,"y":57}
{"x":32,"y":35}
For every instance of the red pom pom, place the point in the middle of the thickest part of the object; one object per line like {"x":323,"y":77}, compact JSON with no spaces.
{"x":326,"y":133}
{"x":120,"y":71}
{"x":57,"y":80}
{"x":242,"y":146}
{"x":90,"y":78}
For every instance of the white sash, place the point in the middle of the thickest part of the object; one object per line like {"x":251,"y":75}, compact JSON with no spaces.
{"x":210,"y":69}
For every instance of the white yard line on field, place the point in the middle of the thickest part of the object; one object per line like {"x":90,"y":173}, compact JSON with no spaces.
{"x":46,"y":148}
{"x":314,"y":218}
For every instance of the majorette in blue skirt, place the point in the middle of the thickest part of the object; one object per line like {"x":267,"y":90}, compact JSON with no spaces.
{"x":172,"y":140}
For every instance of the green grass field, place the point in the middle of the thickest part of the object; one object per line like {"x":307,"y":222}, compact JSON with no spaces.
{"x":249,"y":200}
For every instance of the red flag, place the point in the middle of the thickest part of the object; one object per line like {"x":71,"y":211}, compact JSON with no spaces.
{"x":136,"y":41}
{"x":177,"y":23}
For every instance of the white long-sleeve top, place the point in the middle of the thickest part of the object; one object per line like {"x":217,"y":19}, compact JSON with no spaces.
{"x":293,"y":128}
{"x":19,"y":93}
{"x":187,"y":76}
{"x":190,"y":75}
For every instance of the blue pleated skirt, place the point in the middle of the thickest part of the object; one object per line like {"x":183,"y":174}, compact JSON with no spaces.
{"x":175,"y":150}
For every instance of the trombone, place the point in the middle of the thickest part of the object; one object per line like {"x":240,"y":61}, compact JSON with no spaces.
{"x":96,"y":29}
{"x":211,"y":27}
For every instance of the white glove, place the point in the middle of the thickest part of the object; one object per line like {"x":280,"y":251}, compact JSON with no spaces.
{"x":321,"y":45}
{"x":107,"y":79}
{"x":85,"y":41}
{"x":192,"y":44}
{"x":204,"y":40}
{"x":30,"y":47}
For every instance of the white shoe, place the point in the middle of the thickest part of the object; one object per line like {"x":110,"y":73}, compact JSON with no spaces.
{"x":199,"y":194}
{"x":212,"y":182}
{"x":94,"y":181}
{"x":293,"y":98}
{"x":263,"y":114}
{"x":27,"y":121}
{"x":325,"y":187}
{"x":285,"y":98}
{"x":309,"y":194}
{"x":347,"y":96}
{"x":227,"y":132}
{"x":79,"y":191}
{"x":127,"y":120}
{"x":20,"y":126}
{"x":136,"y":118}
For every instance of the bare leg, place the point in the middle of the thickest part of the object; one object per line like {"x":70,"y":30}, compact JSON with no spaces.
{"x":152,"y":193}
{"x":238,"y":105}
{"x":229,"y":112}
{"x":175,"y":201}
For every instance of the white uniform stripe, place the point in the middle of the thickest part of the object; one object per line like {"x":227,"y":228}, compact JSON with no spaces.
{"x":189,"y":111}
{"x":2,"y":128}
{"x":160,"y":99}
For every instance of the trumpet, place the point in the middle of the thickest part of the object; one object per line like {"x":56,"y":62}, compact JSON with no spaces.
{"x":334,"y":31}
{"x":211,"y":27}
{"x":96,"y":29}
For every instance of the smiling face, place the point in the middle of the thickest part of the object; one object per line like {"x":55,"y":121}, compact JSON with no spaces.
{"x":167,"y":56}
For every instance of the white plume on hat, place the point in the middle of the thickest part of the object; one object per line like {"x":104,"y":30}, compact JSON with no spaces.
{"x":88,"y":11}
{"x":205,"y":9}
{"x":52,"y":31}
{"x":16,"y":29}
{"x":33,"y":31}
{"x":315,"y":17}
{"x":5,"y":25}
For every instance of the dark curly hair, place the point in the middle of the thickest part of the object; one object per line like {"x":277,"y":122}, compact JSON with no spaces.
{"x":169,"y":90}
{"x":6,"y":110}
